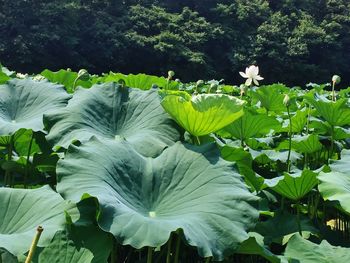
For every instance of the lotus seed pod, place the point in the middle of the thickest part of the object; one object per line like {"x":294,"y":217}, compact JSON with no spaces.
{"x":336,"y":79}
{"x":83,"y":75}
{"x":171,"y":74}
{"x":199,"y":83}
{"x":286,"y":100}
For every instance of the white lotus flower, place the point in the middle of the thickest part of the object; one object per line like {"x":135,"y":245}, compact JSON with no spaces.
{"x":252,"y":75}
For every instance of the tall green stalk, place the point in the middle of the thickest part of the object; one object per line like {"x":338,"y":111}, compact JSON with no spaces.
{"x":27,"y":164}
{"x":177,"y":250}
{"x":289,"y":140}
{"x":149,"y":254}
{"x":7,"y":179}
{"x":34,"y":244}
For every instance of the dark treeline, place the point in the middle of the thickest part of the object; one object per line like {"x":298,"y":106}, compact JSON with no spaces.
{"x":292,"y":41}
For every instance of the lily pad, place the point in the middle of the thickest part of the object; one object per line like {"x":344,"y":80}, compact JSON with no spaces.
{"x":24,"y":101}
{"x":143,"y":200}
{"x":22,"y":211}
{"x":113,"y":113}
{"x":306,"y":251}
{"x":202,"y":114}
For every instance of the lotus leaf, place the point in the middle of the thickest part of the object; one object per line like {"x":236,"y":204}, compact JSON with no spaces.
{"x":81,"y":244}
{"x":306,"y":251}
{"x":24,"y":101}
{"x":22,"y":211}
{"x":142,"y":200}
{"x":202,"y":114}
{"x":113,"y":113}
{"x":294,"y":186}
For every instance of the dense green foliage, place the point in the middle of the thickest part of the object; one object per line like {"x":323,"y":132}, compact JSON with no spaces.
{"x":294,"y":41}
{"x":164,"y":171}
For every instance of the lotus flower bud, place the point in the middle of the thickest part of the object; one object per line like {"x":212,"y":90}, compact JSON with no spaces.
{"x":121,"y":82}
{"x":83,"y":75}
{"x":171,"y":74}
{"x":177,"y":80}
{"x":286,"y":100}
{"x":336,"y":79}
{"x":200,"y":83}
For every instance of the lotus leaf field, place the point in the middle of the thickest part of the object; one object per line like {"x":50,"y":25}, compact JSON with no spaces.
{"x":138,"y":168}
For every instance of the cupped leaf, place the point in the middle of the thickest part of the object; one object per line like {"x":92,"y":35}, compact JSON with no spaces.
{"x":113,"y":113}
{"x":335,"y":113}
{"x":143,"y":200}
{"x":303,"y":144}
{"x":77,"y":244}
{"x":306,"y":251}
{"x":24,"y":101}
{"x":140,"y":81}
{"x":202,"y":114}
{"x":66,"y":78}
{"x":335,"y":186}
{"x":271,"y":97}
{"x":293,"y":186}
{"x":251,"y":124}
{"x":22,"y":211}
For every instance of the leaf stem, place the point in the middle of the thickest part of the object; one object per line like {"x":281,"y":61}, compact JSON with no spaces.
{"x":149,"y":254}
{"x":290,"y":140}
{"x":168,"y":255}
{"x":177,"y":251}
{"x":35,"y":241}
{"x":198,"y":141}
{"x":207,"y":260}
{"x":9,"y":158}
{"x":298,"y":217}
{"x":27,"y":164}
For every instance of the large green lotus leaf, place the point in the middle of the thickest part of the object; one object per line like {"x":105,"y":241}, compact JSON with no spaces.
{"x":335,"y":113}
{"x":140,"y":81}
{"x":143,"y":200}
{"x":303,"y":144}
{"x":66,"y":78}
{"x":299,"y":120}
{"x":335,"y":186}
{"x":342,"y":165}
{"x":202,"y":114}
{"x":293,"y":186}
{"x":283,"y":226}
{"x":23,"y":210}
{"x":304,"y":251}
{"x":24,"y":101}
{"x":250,"y":125}
{"x":113,"y":113}
{"x":271,"y":97}
{"x":77,"y":244}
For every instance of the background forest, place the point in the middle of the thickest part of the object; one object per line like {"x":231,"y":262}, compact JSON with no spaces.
{"x":293,"y":41}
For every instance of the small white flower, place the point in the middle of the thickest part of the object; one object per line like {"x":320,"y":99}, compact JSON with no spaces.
{"x":21,"y":76}
{"x":252,"y":75}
